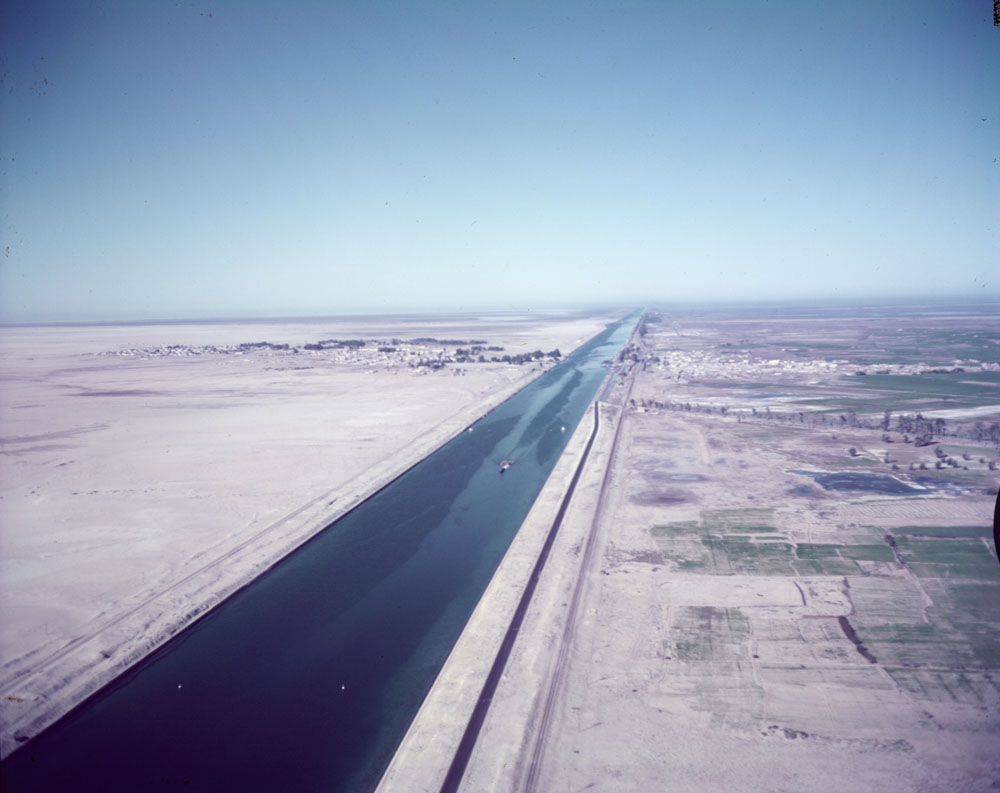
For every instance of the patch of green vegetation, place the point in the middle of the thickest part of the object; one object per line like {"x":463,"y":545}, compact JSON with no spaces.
{"x":951,"y":343}
{"x":867,"y":553}
{"x":675,"y":529}
{"x":980,"y":600}
{"x":758,"y":558}
{"x":960,"y":388}
{"x":807,"y":550}
{"x":945,"y":531}
{"x":838,"y":405}
{"x":967,"y":615}
{"x":690,"y":651}
{"x":837,"y":567}
{"x":748,"y":528}
{"x":751,"y":519}
{"x":938,"y":685}
{"x":892,"y":355}
{"x":948,"y":558}
{"x":898,"y":633}
{"x":730,"y":541}
{"x":943,"y":551}
{"x":713,"y":637}
{"x":951,"y":623}
{"x":735,"y":384}
{"x":902,"y":644}
{"x":681,"y":545}
{"x":957,"y":571}
{"x":935,"y":347}
{"x":820,"y":345}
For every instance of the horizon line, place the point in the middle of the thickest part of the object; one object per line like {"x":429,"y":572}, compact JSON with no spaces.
{"x":714,"y":303}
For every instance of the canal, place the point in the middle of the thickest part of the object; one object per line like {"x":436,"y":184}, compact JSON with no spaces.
{"x":307,"y":679}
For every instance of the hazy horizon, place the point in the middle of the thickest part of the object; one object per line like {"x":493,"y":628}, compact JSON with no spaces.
{"x":170,"y":161}
{"x":790,"y":307}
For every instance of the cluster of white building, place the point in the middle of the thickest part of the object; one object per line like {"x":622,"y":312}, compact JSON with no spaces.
{"x":710,"y":365}
{"x":374,"y":353}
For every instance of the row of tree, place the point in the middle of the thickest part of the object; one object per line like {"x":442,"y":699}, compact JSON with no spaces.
{"x":522,"y":358}
{"x":924,"y":430}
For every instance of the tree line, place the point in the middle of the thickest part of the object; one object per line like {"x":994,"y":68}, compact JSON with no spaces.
{"x":923,"y":430}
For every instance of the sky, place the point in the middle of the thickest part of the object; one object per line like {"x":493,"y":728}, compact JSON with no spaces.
{"x":221,"y":159}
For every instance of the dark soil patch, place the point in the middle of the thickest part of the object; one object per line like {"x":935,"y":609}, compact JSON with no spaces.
{"x":850,"y":633}
{"x":655,"y":498}
{"x":854,"y":482}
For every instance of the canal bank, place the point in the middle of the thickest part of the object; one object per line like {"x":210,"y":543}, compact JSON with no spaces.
{"x":421,"y":763}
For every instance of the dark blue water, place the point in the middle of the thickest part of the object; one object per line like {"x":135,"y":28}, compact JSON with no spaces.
{"x":861,"y":483}
{"x":307,"y":679}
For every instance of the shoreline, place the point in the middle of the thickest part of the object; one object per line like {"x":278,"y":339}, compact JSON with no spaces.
{"x":79,"y":670}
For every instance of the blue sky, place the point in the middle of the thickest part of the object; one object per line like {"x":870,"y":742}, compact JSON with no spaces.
{"x":201,"y":159}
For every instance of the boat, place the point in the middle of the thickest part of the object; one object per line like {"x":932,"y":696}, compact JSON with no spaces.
{"x":505,"y":464}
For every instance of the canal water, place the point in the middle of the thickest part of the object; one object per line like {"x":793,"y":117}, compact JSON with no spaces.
{"x":307,"y":679}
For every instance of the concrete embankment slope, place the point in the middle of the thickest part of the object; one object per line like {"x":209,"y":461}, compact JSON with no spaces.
{"x":427,"y":751}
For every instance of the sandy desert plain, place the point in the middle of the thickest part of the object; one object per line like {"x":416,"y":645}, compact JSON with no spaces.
{"x":764,"y":581}
{"x":149,"y":470}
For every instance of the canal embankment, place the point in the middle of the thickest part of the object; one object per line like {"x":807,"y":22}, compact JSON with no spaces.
{"x":39,"y":695}
{"x":457,"y":741}
{"x":424,"y":756}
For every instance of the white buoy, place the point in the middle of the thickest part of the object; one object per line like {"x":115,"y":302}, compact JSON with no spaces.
{"x":342,"y":686}
{"x":178,"y":685}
